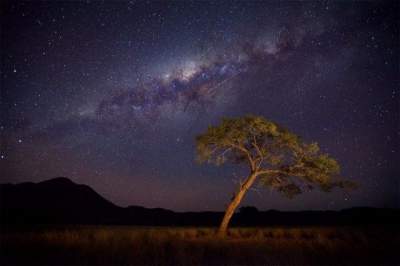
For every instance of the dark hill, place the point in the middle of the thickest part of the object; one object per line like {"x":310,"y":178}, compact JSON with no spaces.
{"x":57,"y":200}
{"x":61,"y":201}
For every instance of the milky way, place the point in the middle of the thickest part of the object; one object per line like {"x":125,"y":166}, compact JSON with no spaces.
{"x":112,"y":94}
{"x":196,"y":85}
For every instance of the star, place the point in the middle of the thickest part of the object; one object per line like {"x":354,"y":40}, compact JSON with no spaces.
{"x":124,"y":91}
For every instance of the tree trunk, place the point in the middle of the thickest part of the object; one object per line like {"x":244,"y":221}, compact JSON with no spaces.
{"x":234,"y":204}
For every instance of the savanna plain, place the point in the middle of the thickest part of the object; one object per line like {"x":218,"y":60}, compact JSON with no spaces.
{"x":131,"y":245}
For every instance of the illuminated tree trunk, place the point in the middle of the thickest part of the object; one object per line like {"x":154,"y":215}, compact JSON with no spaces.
{"x":222,"y":230}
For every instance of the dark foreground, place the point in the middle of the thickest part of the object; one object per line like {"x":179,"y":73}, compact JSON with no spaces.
{"x":126,"y":245}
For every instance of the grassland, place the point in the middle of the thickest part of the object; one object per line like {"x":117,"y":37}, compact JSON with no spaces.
{"x":126,"y":245}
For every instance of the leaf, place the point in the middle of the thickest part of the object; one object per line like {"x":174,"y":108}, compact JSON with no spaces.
{"x":264,"y":145}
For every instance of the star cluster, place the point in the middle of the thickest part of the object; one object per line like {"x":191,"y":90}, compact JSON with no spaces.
{"x":112,"y":94}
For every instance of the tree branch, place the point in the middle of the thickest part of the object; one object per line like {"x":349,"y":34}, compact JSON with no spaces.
{"x":247,"y":153}
{"x":271,"y":171}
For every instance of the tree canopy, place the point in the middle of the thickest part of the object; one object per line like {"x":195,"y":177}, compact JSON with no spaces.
{"x":281,"y":159}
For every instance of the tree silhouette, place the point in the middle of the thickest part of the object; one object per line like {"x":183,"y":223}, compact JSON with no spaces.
{"x":275,"y":156}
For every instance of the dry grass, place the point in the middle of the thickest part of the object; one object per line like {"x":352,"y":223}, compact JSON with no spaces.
{"x":125,"y":245}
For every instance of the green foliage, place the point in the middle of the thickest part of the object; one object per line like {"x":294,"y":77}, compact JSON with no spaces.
{"x":280,"y":158}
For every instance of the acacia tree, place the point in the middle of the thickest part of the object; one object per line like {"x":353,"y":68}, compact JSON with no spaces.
{"x":275,"y":156}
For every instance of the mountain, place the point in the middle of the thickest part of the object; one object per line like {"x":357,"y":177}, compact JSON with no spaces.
{"x":57,"y":200}
{"x":61,"y":201}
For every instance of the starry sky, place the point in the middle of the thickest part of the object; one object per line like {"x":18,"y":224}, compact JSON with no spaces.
{"x":112,"y":94}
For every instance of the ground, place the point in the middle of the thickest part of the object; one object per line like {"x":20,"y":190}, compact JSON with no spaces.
{"x":128,"y":245}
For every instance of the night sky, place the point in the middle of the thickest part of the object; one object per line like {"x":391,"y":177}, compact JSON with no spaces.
{"x":112,"y":94}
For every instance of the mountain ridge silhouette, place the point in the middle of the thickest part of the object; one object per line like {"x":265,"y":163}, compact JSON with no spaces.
{"x":62,"y":201}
